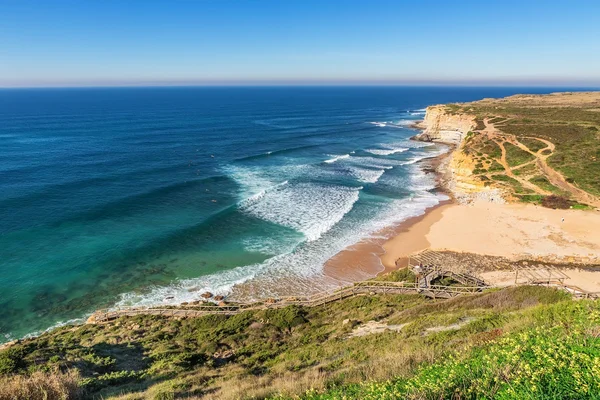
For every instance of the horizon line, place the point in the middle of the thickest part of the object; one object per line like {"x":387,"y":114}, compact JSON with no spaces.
{"x":513,"y":84}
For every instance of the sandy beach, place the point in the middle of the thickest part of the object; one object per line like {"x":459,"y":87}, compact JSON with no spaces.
{"x":479,"y":221}
{"x":507,"y":230}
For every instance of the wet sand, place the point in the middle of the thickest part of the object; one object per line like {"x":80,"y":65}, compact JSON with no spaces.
{"x":371,"y":257}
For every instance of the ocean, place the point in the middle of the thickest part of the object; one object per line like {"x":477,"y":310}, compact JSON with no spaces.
{"x":141,"y":196}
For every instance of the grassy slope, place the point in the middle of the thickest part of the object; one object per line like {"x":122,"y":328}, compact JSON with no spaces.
{"x":555,"y":355}
{"x":573,"y":127}
{"x":286,"y":351}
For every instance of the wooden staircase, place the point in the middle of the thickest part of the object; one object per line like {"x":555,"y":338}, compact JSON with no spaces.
{"x":359,"y":289}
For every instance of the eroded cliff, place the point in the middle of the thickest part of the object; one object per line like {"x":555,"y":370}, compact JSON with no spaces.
{"x":441,"y":125}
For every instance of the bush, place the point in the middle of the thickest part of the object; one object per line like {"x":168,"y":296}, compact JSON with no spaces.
{"x":399,"y":275}
{"x":555,"y":202}
{"x":11,"y":360}
{"x":286,"y":318}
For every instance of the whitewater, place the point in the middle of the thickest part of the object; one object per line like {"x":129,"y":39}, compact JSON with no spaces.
{"x":141,"y":196}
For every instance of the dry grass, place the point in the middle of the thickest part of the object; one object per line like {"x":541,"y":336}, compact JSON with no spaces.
{"x":246,"y":386}
{"x":41,"y":385}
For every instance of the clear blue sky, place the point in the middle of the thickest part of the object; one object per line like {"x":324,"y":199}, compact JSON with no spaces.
{"x":106,"y":42}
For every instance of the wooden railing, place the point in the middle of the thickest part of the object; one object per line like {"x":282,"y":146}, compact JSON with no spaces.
{"x":360,"y":288}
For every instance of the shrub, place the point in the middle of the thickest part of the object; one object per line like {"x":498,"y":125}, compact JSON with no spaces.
{"x":555,"y":202}
{"x":286,"y":318}
{"x":399,"y":275}
{"x":11,"y":360}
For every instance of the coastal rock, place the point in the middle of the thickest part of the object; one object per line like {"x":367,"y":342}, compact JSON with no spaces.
{"x":219,"y":297}
{"x":442,"y":126}
{"x":206,"y":295}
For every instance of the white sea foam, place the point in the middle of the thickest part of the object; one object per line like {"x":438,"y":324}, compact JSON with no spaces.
{"x":403,"y":123}
{"x":320,"y":212}
{"x":252,"y":181}
{"x":189,"y":289}
{"x":74,"y":321}
{"x":373,"y":162}
{"x":305,"y":207}
{"x":386,"y":152}
{"x":367,"y":175}
{"x":256,"y":197}
{"x":336,"y":158}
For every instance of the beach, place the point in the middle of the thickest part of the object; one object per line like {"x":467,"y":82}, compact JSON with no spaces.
{"x":478,"y":221}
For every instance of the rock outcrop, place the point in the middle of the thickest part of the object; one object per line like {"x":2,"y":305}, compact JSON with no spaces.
{"x":443,"y":126}
{"x":440,"y":125}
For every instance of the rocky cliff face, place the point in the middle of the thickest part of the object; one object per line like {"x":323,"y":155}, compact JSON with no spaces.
{"x":441,"y":126}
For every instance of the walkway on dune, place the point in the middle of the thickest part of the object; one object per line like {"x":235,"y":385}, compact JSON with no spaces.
{"x":360,"y":288}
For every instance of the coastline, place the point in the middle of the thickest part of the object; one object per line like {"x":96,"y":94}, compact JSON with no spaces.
{"x":469,"y":222}
{"x":479,"y":222}
{"x":373,"y":256}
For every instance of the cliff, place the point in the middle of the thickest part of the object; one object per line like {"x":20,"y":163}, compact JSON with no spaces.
{"x":441,"y":125}
{"x":539,"y":149}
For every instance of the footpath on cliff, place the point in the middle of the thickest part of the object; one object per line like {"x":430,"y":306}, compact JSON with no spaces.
{"x":512,"y":198}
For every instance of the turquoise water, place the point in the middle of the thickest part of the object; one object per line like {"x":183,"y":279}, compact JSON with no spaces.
{"x":131,"y":196}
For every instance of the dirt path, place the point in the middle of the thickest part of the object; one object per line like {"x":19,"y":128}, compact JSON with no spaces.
{"x":553,"y":176}
{"x":509,"y":172}
{"x":499,"y":138}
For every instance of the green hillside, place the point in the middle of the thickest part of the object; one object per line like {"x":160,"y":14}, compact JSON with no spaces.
{"x":522,"y":340}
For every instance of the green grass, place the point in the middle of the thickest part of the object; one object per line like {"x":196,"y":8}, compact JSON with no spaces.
{"x":542,"y":182}
{"x":556,"y":354}
{"x":533,"y":144}
{"x":516,"y":156}
{"x":511,"y":183}
{"x":497,"y":120}
{"x":526,"y":170}
{"x":495,"y":166}
{"x":267,"y":352}
{"x":531,"y":198}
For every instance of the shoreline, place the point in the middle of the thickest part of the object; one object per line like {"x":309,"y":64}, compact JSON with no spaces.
{"x":371,"y":257}
{"x":479,"y":223}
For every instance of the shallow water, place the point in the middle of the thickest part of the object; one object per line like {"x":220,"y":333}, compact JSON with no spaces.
{"x":132,"y":195}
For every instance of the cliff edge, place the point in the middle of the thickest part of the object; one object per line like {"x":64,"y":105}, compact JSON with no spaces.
{"x":441,"y":125}
{"x":541,"y":149}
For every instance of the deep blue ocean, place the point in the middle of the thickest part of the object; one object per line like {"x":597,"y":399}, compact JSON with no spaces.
{"x":150,"y":195}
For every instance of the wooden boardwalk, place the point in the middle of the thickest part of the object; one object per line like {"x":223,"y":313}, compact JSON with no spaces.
{"x":426,"y":265}
{"x":361,"y":288}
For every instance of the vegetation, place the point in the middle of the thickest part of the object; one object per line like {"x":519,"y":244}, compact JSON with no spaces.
{"x":556,"y":357}
{"x":512,"y":183}
{"x":556,"y":202}
{"x":516,"y":156}
{"x":543,"y":183}
{"x":276,"y":352}
{"x":571,"y":123}
{"x":41,"y":385}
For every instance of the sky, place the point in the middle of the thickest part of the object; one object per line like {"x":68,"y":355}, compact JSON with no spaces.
{"x":221,"y":42}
